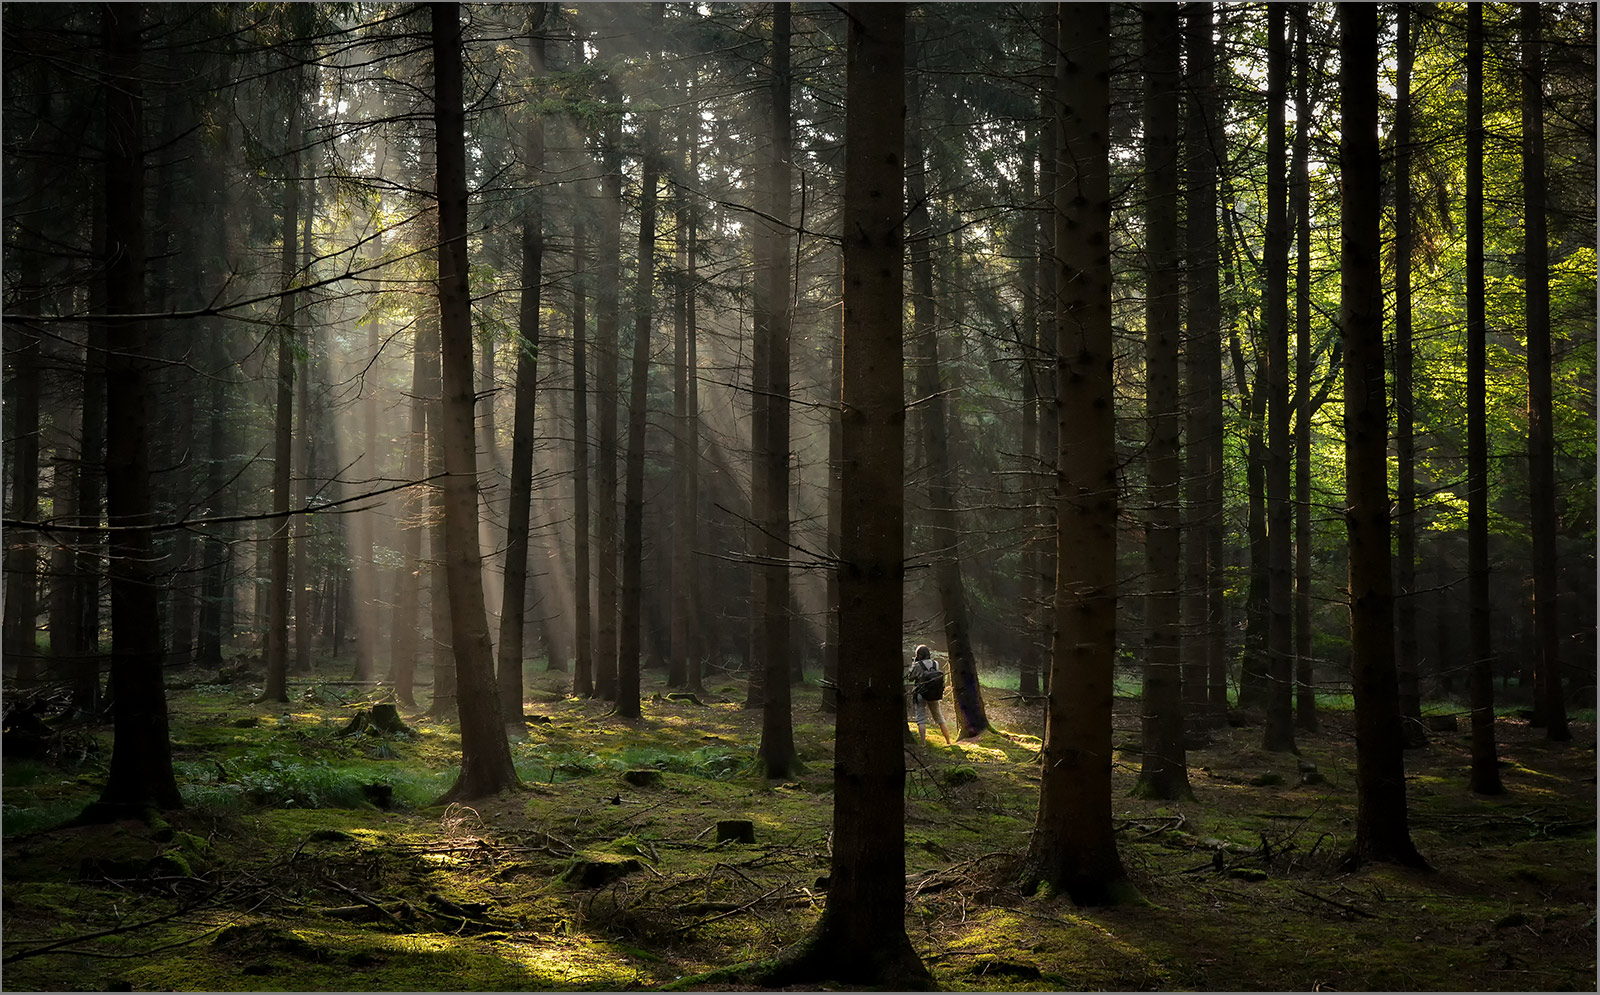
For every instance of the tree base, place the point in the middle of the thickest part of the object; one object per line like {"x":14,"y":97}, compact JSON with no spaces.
{"x":891,"y":966}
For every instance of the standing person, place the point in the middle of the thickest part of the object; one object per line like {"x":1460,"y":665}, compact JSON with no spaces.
{"x":927,"y":688}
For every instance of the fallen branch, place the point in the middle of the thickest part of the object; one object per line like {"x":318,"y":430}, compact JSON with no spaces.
{"x":1341,"y":905}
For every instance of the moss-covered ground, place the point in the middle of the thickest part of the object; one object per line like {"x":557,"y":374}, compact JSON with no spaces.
{"x":308,"y":859}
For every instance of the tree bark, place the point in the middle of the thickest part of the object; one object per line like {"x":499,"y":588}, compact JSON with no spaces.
{"x":607,"y":295}
{"x":861,"y":937}
{"x":140,"y":776}
{"x":515,"y":589}
{"x":1551,"y":704}
{"x":1202,"y":620}
{"x":485,"y":755}
{"x":1485,"y":775}
{"x":1381,"y":823}
{"x":1164,"y":771}
{"x":1279,"y":731}
{"x":1405,"y":435}
{"x":583,"y":612}
{"x":1074,"y":845}
{"x":279,"y":580}
{"x":630,"y":615}
{"x":777,"y":730}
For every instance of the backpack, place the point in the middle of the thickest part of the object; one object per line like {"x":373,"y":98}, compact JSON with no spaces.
{"x":928,"y":680}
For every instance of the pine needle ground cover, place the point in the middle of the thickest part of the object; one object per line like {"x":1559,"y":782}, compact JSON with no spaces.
{"x":309,"y":857}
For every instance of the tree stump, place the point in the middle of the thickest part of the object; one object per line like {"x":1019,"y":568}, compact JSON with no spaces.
{"x":738,"y":830}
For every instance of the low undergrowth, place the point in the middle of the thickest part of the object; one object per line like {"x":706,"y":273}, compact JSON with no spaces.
{"x":310,"y":856}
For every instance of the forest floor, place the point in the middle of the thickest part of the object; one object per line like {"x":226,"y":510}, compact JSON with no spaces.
{"x":287,"y":872}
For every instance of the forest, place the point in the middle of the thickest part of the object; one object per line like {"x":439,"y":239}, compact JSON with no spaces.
{"x":476,"y":477}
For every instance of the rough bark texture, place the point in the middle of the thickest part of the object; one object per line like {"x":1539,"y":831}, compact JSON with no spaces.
{"x":861,"y":937}
{"x":1381,"y":823}
{"x":945,"y":530}
{"x":140,"y":776}
{"x":514,"y":592}
{"x":1551,"y":706}
{"x":1074,"y":845}
{"x":1485,"y":776}
{"x":485,"y":755}
{"x":1164,"y":771}
{"x":1305,"y":700}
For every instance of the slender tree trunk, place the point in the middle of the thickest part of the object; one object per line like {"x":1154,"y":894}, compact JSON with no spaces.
{"x":300,"y":525}
{"x":945,"y":532}
{"x":1045,"y":477}
{"x":831,"y":650}
{"x":515,"y":589}
{"x":405,"y":628}
{"x":140,"y":776}
{"x":22,"y":554}
{"x":631,"y":617}
{"x":86,"y":569}
{"x":1405,"y":435}
{"x":861,"y":937}
{"x":1164,"y":771}
{"x":364,"y":569}
{"x":777,"y":730}
{"x":1201,"y":609}
{"x":583,"y":614}
{"x":1381,"y":822}
{"x":1279,"y":731}
{"x":1305,"y":688}
{"x":1551,"y":705}
{"x":278,"y":577}
{"x":683,"y":454}
{"x":485,"y":755}
{"x":1074,"y":844}
{"x":1485,"y":776}
{"x":607,"y":295}
{"x":1028,"y":245}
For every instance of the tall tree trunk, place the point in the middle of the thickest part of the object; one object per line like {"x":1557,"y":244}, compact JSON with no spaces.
{"x":861,"y":937}
{"x":364,"y":569}
{"x":140,"y":776}
{"x":278,"y":577}
{"x":777,"y":729}
{"x":405,"y":627}
{"x":301,"y":524}
{"x":945,"y":532}
{"x":1164,"y":772}
{"x":683,"y":453}
{"x":1485,"y":776}
{"x":515,"y":589}
{"x":1405,"y":435}
{"x":1028,"y":245}
{"x":1074,"y":844}
{"x":22,"y":555}
{"x":831,"y":651}
{"x":607,"y":296}
{"x":1202,"y":358}
{"x":485,"y":755}
{"x":630,"y":613}
{"x":84,"y":595}
{"x":1381,"y":823}
{"x":1551,"y":705}
{"x":1045,"y":467}
{"x":1279,"y":731}
{"x":1305,"y":699}
{"x":583,"y":614}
